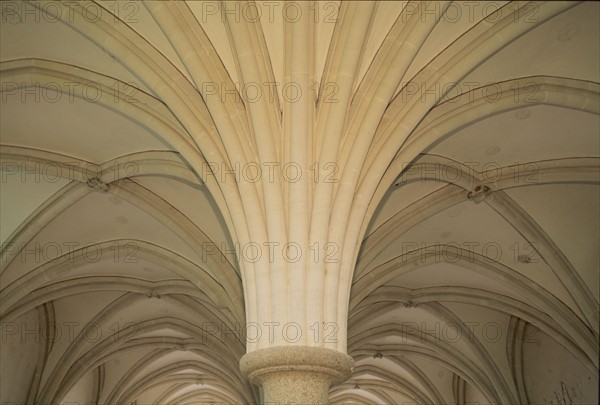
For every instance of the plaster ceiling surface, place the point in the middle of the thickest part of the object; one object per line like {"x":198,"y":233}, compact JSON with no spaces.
{"x":470,"y":133}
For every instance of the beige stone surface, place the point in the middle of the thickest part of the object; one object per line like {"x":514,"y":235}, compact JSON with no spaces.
{"x":296,"y":374}
{"x":188,"y":184}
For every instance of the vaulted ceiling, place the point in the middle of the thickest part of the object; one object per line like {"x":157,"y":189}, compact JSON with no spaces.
{"x":477,"y":262}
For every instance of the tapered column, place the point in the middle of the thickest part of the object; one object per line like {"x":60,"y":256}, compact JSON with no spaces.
{"x":299,"y":375}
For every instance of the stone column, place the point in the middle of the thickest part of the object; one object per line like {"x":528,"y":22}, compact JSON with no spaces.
{"x":299,"y":375}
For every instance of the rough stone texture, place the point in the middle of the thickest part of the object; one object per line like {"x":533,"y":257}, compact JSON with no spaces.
{"x":296,"y":374}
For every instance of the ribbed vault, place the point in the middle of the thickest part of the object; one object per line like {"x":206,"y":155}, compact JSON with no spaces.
{"x":414,"y":184}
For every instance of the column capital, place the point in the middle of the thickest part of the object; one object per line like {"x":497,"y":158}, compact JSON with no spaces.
{"x":296,"y":374}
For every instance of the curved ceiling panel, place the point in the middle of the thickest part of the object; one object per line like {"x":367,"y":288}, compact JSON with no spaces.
{"x":463,"y":143}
